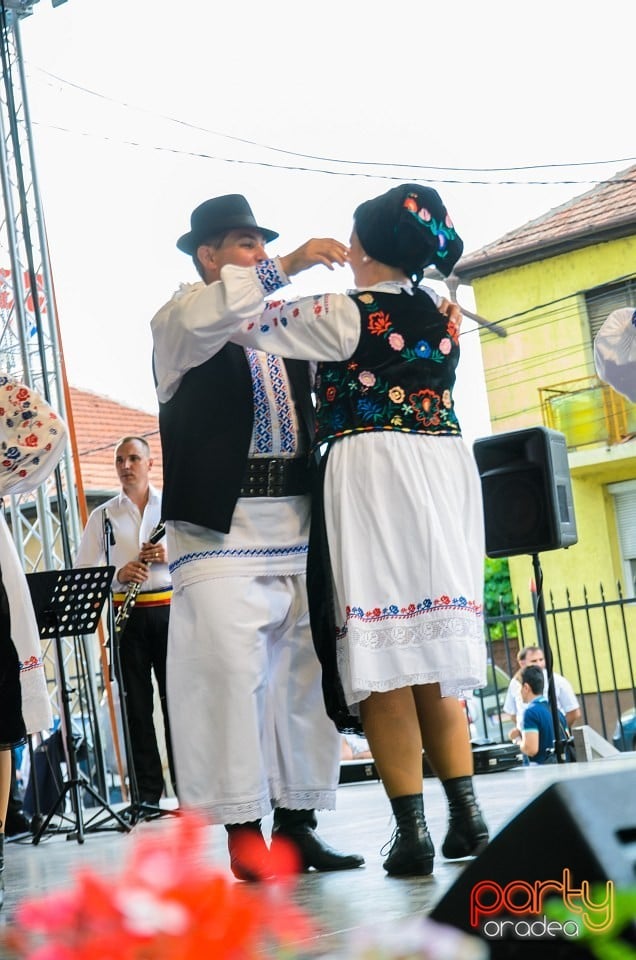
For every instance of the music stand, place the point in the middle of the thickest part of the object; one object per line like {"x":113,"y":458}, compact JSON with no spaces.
{"x":69,"y":603}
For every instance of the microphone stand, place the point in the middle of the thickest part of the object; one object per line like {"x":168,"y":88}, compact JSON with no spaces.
{"x":560,"y":741}
{"x":109,"y":541}
{"x":115,"y":667}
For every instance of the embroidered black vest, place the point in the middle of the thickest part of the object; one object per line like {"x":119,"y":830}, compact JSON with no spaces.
{"x":206,"y":428}
{"x":401,"y":375}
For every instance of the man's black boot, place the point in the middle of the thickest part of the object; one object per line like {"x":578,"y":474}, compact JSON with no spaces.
{"x":467,"y":831}
{"x":298,"y":827}
{"x":412,"y":851}
{"x":249,"y":856}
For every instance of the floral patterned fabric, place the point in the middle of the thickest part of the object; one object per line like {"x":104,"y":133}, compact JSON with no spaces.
{"x":32,"y":440}
{"x":404,"y":343}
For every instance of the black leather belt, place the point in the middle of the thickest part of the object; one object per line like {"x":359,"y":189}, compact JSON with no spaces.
{"x":275,"y":477}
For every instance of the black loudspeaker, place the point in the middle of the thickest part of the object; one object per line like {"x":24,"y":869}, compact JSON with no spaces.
{"x":577,"y":832}
{"x":527,"y":494}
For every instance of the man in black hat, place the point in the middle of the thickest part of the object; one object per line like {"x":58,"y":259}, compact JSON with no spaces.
{"x":396,"y":580}
{"x":250,"y":730}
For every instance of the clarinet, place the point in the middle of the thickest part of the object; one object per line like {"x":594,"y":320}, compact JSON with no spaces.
{"x":131,"y":595}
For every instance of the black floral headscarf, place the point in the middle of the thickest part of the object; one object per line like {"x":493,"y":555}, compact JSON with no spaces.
{"x":409,"y":227}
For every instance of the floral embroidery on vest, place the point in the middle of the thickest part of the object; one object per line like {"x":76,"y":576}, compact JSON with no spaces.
{"x":401,"y":375}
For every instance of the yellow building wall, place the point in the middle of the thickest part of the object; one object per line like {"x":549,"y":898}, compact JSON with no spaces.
{"x":548,"y":338}
{"x":542,"y":306}
{"x":578,"y":576}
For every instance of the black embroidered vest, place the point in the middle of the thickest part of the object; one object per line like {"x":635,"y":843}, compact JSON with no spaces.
{"x":401,"y":375}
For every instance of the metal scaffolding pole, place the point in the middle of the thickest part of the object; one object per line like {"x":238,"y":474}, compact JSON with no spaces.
{"x":45,"y":525}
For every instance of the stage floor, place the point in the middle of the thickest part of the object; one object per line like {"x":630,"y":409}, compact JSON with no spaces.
{"x":340,"y":903}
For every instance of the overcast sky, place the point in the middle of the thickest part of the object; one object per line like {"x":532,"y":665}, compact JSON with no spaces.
{"x":141,"y":109}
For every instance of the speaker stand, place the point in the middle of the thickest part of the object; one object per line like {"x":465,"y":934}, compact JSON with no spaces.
{"x":542,"y":629}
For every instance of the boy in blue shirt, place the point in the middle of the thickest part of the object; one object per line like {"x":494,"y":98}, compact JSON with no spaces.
{"x":537,"y":728}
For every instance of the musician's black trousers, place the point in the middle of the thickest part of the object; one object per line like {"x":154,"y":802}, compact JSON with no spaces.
{"x":142,"y":649}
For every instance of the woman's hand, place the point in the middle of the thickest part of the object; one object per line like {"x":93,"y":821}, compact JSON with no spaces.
{"x":452,"y":311}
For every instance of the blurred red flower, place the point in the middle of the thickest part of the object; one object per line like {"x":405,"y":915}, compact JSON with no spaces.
{"x":167,"y":904}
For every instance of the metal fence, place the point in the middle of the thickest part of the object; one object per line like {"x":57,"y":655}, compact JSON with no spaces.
{"x":592,"y":643}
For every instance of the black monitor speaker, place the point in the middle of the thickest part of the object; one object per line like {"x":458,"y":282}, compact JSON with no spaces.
{"x":527,"y":493}
{"x":579,"y":831}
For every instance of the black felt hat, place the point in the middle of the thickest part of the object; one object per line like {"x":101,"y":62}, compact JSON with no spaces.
{"x":218,"y":215}
{"x":409,"y":227}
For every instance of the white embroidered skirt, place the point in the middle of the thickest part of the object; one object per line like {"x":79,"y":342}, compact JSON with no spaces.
{"x":404,"y":522}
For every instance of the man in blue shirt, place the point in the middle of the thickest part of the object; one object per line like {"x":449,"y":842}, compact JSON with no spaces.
{"x":537,"y":728}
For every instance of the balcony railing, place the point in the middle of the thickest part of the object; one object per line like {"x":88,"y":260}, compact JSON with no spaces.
{"x":588,"y":412}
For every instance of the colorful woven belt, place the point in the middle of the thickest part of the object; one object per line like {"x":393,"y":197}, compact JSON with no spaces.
{"x":151,"y":599}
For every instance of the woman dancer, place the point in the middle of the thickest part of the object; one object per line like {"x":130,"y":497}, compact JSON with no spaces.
{"x":403,"y":513}
{"x":32,"y":440}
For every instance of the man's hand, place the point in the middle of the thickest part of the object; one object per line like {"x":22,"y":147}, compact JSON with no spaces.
{"x":153,"y":553}
{"x":133,"y":572}
{"x":326,"y":251}
{"x":452,"y":311}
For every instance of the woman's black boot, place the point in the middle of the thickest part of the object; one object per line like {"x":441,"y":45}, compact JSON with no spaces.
{"x":467,"y":832}
{"x":412,"y":851}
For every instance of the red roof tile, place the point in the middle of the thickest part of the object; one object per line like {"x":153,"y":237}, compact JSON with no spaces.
{"x":604,"y":213}
{"x":99,"y":423}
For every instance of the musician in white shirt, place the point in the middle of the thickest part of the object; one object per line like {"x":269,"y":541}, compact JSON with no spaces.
{"x":123,"y":527}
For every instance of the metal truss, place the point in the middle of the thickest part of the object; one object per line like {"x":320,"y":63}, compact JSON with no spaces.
{"x":45,"y":524}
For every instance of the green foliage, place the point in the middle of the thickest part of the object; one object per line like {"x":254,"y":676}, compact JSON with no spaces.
{"x":498,"y":598}
{"x":615,"y":943}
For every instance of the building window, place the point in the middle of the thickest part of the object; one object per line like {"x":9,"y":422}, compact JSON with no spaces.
{"x":624,"y":495}
{"x":601,"y":301}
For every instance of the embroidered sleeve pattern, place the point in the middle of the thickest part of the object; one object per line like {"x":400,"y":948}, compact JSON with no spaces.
{"x":271,"y":276}
{"x":279,"y":313}
{"x":316,"y":327}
